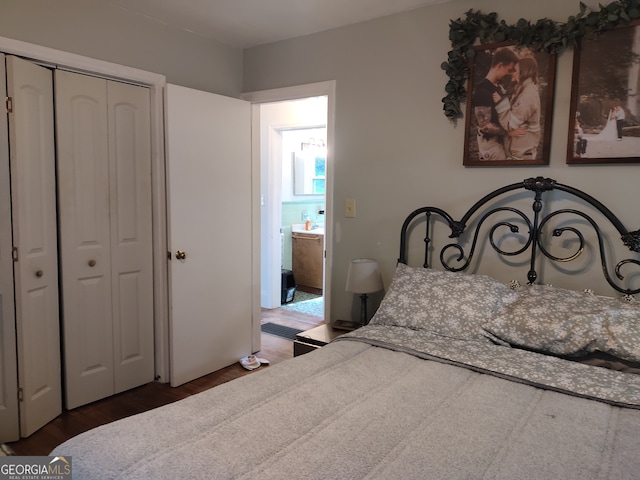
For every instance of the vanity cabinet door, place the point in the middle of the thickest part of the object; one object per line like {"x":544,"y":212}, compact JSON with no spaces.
{"x":307,"y":260}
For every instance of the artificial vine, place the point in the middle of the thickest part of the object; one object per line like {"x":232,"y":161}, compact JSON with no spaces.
{"x":543,"y":35}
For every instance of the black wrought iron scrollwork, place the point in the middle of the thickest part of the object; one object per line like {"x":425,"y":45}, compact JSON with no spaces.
{"x":492,"y":240}
{"x":514,"y":229}
{"x":581,"y":244}
{"x":457,"y":228}
{"x":632,"y":240}
{"x":621,"y":263}
{"x":454,"y":257}
{"x":539,"y":184}
{"x":557,"y":232}
{"x":459,"y":258}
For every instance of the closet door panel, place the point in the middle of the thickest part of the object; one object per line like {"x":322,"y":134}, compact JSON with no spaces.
{"x":35,"y":236}
{"x":9,"y":425}
{"x":131,"y":230}
{"x":85,"y":257}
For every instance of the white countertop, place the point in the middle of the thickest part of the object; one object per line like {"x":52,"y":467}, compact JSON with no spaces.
{"x":299,"y":228}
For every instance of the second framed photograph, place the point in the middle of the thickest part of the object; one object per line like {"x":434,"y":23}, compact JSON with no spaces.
{"x":604,"y":123}
{"x":509,"y":106}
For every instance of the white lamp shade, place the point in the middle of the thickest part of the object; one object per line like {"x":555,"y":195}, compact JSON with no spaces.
{"x":364,"y":276}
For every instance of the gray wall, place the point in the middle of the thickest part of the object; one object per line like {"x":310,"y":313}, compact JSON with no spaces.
{"x":394,"y":149}
{"x":100,"y":30}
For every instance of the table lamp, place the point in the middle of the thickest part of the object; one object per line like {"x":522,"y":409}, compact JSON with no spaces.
{"x":363,"y":278}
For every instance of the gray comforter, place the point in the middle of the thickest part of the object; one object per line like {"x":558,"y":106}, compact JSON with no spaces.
{"x":359,"y":408}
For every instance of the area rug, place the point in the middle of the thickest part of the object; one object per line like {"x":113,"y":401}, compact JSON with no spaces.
{"x":301,"y":296}
{"x":310,"y":307}
{"x":280,"y":330}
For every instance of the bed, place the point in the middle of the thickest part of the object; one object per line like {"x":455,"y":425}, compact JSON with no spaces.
{"x":459,"y":375}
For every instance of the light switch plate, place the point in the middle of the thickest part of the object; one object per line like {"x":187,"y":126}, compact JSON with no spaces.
{"x":350,"y":208}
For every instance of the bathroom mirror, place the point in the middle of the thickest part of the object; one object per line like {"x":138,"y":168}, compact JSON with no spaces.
{"x":309,"y":171}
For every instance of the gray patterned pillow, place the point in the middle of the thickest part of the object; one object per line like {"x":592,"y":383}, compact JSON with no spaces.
{"x":565,"y":322}
{"x":451,"y":304}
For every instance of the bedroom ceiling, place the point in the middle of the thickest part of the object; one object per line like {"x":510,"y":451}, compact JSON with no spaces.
{"x":247,"y":23}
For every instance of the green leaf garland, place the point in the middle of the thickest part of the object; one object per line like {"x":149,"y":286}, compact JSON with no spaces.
{"x":544,"y":35}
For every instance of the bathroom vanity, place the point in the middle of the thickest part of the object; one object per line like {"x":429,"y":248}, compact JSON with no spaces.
{"x":308,"y":261}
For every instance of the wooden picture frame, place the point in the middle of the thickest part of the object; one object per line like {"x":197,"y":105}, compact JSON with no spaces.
{"x":605,"y":98}
{"x":516,"y":129}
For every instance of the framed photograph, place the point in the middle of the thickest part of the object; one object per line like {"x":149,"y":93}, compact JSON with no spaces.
{"x":605,"y":98}
{"x":509,"y":106}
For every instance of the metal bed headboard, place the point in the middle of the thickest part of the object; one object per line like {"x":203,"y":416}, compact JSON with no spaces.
{"x":535,"y":242}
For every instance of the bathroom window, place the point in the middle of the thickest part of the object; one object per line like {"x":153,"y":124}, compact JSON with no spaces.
{"x":319,"y":176}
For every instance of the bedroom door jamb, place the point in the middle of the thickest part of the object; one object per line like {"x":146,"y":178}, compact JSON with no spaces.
{"x":279,"y":95}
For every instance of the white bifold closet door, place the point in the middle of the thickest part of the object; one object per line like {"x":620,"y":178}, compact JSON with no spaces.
{"x":104,"y":197}
{"x":33,"y":200}
{"x":9,"y":426}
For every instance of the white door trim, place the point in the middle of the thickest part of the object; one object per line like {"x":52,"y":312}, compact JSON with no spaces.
{"x":327,"y":88}
{"x":156,"y":84}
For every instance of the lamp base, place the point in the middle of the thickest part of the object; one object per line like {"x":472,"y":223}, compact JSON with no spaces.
{"x":363,"y":309}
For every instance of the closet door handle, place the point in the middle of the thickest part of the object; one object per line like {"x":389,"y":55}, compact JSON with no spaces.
{"x":92,"y":263}
{"x":181,"y":255}
{"x":39,"y":273}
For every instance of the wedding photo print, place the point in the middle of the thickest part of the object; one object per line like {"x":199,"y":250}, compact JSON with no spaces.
{"x":604,"y":124}
{"x":509,"y":106}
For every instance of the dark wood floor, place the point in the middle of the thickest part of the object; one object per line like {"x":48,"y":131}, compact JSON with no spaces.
{"x":152,"y":395}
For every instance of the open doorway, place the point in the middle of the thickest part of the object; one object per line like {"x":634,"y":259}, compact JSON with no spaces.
{"x":293,"y":204}
{"x":267,"y":182}
{"x":303,"y":218}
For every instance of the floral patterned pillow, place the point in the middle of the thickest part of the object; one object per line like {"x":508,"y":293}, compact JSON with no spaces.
{"x":566,"y":322}
{"x":450,"y":304}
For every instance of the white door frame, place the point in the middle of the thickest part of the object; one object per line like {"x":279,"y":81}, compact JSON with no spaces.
{"x":156,"y":84}
{"x":279,"y":95}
